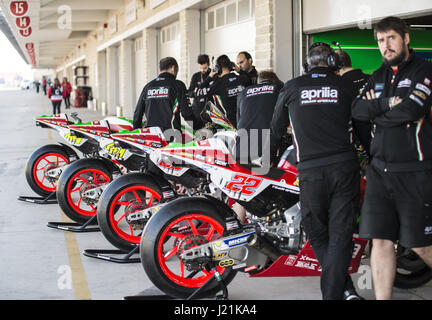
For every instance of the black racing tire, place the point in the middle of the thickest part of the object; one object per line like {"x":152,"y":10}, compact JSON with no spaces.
{"x":154,"y":238}
{"x":113,"y":205}
{"x":72,"y":205}
{"x":33,"y":170}
{"x":411,"y":271}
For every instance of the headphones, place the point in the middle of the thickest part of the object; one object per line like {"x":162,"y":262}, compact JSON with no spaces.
{"x":216,"y":68}
{"x":333,"y":60}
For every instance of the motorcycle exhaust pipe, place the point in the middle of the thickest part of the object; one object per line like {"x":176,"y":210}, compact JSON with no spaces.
{"x":263,"y":246}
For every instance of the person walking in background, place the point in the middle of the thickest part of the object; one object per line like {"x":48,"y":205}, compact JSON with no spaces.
{"x":55,"y":95}
{"x":44,"y":85}
{"x":37,"y":85}
{"x":66,"y":89}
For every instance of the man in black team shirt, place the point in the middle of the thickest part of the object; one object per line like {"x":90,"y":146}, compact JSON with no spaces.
{"x":398,"y":199}
{"x":225,"y":86}
{"x":195,"y":84}
{"x":163,"y":99}
{"x":255,"y":106}
{"x":245,"y":66}
{"x":318,"y":107}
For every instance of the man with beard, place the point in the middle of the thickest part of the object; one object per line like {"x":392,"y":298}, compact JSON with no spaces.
{"x":398,"y":200}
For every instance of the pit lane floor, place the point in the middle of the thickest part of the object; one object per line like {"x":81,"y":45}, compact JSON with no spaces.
{"x":41,"y":263}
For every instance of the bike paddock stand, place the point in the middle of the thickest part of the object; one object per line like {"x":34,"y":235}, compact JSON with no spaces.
{"x":154,"y":293}
{"x":75,"y":227}
{"x":40,"y":200}
{"x":110,"y":255}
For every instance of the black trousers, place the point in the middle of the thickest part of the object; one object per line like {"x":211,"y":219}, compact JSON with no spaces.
{"x":329,"y":199}
{"x":56,"y":106}
{"x":67,"y":101}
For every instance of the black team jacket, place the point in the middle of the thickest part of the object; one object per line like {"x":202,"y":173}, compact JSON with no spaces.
{"x":162,"y":100}
{"x":318,"y":107}
{"x":402,"y":135}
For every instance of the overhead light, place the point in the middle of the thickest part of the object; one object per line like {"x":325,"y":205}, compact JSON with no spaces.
{"x":421,"y":25}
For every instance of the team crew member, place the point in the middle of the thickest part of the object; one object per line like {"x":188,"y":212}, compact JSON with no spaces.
{"x":318,"y":107}
{"x":245,"y":66}
{"x":195,"y":84}
{"x":255,"y":106}
{"x":55,"y":95}
{"x":162,"y":99}
{"x":358,"y":79}
{"x":398,"y":198}
{"x":225,"y":86}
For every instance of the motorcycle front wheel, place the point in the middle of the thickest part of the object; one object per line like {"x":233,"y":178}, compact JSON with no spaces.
{"x":177,"y":227}
{"x":45,"y":158}
{"x":82,"y":175}
{"x":124,"y":196}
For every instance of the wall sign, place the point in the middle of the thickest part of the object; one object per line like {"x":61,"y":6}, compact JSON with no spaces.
{"x":30,"y":50}
{"x":18,"y":8}
{"x":25,"y":32}
{"x":22,"y":22}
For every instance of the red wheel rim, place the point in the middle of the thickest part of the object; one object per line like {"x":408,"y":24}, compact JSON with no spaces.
{"x":117,"y":210}
{"x":74,"y":196}
{"x":175,"y":270}
{"x":49,"y":159}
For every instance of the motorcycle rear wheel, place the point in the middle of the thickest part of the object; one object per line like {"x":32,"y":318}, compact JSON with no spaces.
{"x":128,"y":193}
{"x":79,"y":175}
{"x":165,"y":235}
{"x":46,"y":157}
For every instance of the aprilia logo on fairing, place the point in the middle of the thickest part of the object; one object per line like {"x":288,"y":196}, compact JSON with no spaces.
{"x":322,"y":95}
{"x":158,"y":93}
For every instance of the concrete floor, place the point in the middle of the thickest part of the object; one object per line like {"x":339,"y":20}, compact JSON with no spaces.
{"x":42,"y":263}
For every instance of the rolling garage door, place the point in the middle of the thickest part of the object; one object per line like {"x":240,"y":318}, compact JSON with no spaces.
{"x":169,"y":41}
{"x":230,"y":28}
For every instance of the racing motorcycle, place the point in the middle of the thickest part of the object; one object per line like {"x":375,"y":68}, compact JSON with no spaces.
{"x":127,"y":203}
{"x":81,"y":183}
{"x":194,"y":246}
{"x":46,"y":163}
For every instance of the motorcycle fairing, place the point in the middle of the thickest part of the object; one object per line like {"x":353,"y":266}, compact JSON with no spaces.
{"x":214,"y":157}
{"x":61,"y":124}
{"x":305,"y":264}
